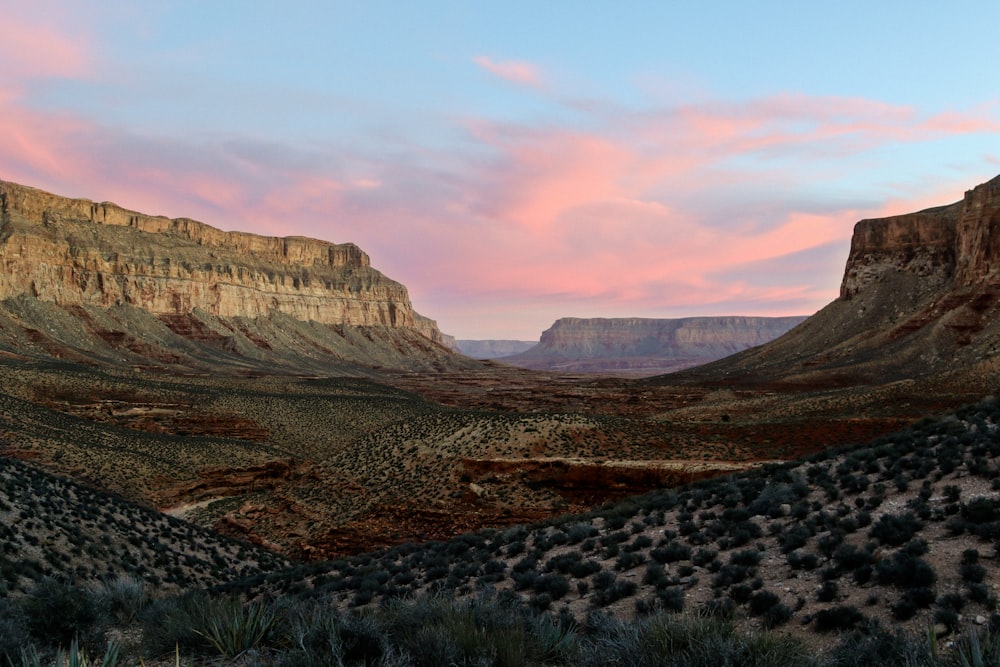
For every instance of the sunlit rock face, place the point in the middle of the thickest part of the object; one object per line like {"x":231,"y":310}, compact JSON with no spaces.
{"x":76,"y":252}
{"x":109,"y":267}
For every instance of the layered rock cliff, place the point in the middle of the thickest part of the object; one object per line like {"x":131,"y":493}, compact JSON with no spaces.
{"x":77,"y":254}
{"x":920,"y":296}
{"x":637,"y":346}
{"x":493,"y":349}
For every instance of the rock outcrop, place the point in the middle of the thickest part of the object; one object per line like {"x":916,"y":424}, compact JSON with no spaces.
{"x":920,"y":297}
{"x":646,"y":346}
{"x":98,"y":258}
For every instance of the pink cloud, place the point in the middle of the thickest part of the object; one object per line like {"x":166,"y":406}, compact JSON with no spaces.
{"x":515,"y":71}
{"x":32,"y":51}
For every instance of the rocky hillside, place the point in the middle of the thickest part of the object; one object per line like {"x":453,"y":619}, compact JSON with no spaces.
{"x":920,"y":298}
{"x":643,"y":346}
{"x":82,"y":280}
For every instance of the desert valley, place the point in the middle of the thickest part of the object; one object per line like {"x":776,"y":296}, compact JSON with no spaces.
{"x":201,"y":428}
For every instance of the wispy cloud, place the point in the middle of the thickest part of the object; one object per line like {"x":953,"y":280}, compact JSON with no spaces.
{"x":515,"y":71}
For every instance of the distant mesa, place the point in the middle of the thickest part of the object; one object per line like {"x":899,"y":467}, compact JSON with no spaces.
{"x":493,"y":349}
{"x":94,"y":281}
{"x":920,"y":297}
{"x":646,"y":346}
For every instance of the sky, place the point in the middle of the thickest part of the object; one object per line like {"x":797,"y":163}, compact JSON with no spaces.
{"x":513,"y":163}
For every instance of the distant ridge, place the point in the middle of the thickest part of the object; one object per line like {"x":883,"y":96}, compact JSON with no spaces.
{"x":646,"y":346}
{"x":493,"y":349}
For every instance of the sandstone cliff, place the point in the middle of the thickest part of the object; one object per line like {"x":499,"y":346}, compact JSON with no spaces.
{"x":920,"y":296}
{"x":100,"y":258}
{"x":646,"y":346}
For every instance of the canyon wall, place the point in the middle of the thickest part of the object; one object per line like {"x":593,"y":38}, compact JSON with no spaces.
{"x":955,"y":245}
{"x":638,"y":346}
{"x":493,"y":349}
{"x":920,"y":296}
{"x":74,"y":252}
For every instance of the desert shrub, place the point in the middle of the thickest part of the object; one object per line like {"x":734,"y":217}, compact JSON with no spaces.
{"x":905,"y":571}
{"x":671,"y":552}
{"x":170,"y":623}
{"x":827,"y":592}
{"x":608,"y":588}
{"x":850,"y":557}
{"x":58,"y":613}
{"x":798,"y":560}
{"x":704,"y":556}
{"x":123,"y":598}
{"x":761,"y":601}
{"x":730,"y":574}
{"x":554,"y":585}
{"x":671,"y":599}
{"x":746,"y":557}
{"x":578,"y":532}
{"x":655,"y":576}
{"x":895,"y":529}
{"x":838,"y":619}
{"x":981,"y":510}
{"x":794,"y":538}
{"x":872,"y":644}
{"x":628,"y":560}
{"x":913,"y":600}
{"x":13,"y":631}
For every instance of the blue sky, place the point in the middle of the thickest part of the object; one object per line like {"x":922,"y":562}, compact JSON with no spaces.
{"x":517,"y":163}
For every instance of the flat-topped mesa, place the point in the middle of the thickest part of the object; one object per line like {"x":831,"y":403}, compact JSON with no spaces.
{"x":75,"y":252}
{"x":956,"y":245}
{"x":629,"y":336}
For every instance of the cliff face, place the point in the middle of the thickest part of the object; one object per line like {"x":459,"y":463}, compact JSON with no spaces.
{"x":644,"y":346}
{"x":75,"y":253}
{"x":493,"y":349}
{"x":920,"y":296}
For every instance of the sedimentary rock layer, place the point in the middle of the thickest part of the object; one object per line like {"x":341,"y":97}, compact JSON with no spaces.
{"x":76,"y":252}
{"x":646,"y":345}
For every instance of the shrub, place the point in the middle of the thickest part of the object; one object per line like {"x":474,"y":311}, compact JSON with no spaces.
{"x":981,"y":510}
{"x":124,"y":598}
{"x":895,"y":529}
{"x":57,"y":612}
{"x":905,"y":571}
{"x":761,"y":601}
{"x":827,"y":592}
{"x":671,"y":553}
{"x":838,"y":619}
{"x":12,"y":631}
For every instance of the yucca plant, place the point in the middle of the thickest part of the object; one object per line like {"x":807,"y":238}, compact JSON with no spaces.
{"x":975,"y":650}
{"x":234,"y":628}
{"x":74,"y":657}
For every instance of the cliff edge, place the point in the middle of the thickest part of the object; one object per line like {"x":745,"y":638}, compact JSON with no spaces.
{"x":920,"y":297}
{"x":94,"y":260}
